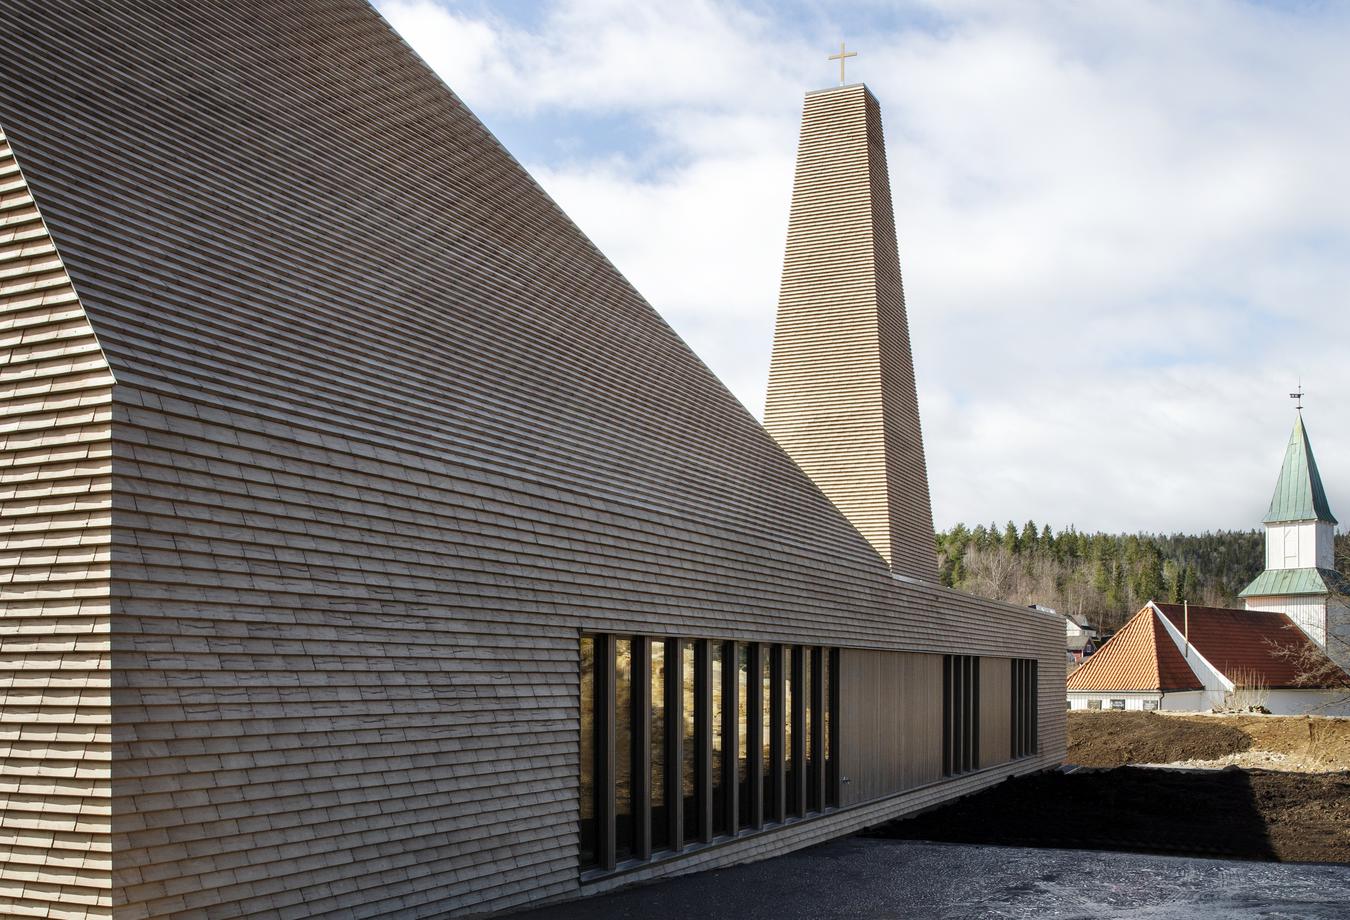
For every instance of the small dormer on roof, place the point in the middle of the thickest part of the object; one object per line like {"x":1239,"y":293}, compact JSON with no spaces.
{"x":1299,"y":495}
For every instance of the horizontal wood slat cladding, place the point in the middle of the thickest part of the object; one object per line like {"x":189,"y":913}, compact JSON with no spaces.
{"x":388,"y":434}
{"x":995,"y":711}
{"x":55,"y":510}
{"x":841,"y":398}
{"x":890,"y":716}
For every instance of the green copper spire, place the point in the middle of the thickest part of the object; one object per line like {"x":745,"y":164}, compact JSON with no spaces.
{"x":1299,"y":495}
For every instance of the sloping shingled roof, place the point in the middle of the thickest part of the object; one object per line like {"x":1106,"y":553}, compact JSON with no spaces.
{"x":1243,"y":640}
{"x":1140,"y":656}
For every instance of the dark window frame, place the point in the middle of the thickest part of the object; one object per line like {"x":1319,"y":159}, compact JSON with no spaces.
{"x":814,"y":792}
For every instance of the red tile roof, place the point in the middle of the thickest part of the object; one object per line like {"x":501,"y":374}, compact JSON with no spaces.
{"x":1141,"y":656}
{"x":1244,"y":640}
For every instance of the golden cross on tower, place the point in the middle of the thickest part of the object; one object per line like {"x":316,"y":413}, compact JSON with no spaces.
{"x":840,"y":57}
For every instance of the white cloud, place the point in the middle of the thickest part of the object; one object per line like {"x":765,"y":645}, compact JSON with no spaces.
{"x":1123,"y":226}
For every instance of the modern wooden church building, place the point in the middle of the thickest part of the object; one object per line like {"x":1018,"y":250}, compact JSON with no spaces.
{"x":371,"y":548}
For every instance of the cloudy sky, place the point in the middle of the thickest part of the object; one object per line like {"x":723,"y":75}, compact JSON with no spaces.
{"x":1124,"y":227}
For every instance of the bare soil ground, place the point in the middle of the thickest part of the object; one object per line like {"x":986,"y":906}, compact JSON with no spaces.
{"x":1300,"y":743}
{"x":1233,"y":814}
{"x":1297,"y":812}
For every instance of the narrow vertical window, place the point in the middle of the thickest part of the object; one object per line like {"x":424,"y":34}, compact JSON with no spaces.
{"x":660,"y":815}
{"x":689,"y":749}
{"x":809,"y":725}
{"x":791,"y":700}
{"x":960,"y":713}
{"x":719,"y":788}
{"x":588,"y":751}
{"x":831,"y":691}
{"x":769,"y":736}
{"x":744,"y":718}
{"x":623,"y":748}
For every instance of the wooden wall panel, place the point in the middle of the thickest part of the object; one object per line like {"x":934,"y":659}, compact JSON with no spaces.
{"x":55,"y":511}
{"x":388,"y":433}
{"x":890,"y":713}
{"x":995,"y":711}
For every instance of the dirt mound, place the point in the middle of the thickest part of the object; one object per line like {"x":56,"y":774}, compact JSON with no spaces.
{"x":1112,"y":739}
{"x":1234,"y":814}
{"x":1319,"y":739}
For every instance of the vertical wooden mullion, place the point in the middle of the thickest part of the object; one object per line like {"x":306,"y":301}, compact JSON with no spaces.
{"x":970,"y":713}
{"x":977,"y":716}
{"x":703,"y":732}
{"x":1026,"y":708}
{"x":776,"y":740}
{"x":1021,"y":707}
{"x":818,"y":726}
{"x":605,"y":847}
{"x":1033,"y":692}
{"x":754,"y":733}
{"x":731,"y":746}
{"x":642,"y":747}
{"x":675,"y":742}
{"x":798,"y":730}
{"x":952,"y":705}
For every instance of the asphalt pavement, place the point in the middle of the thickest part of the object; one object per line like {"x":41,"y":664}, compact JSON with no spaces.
{"x":861,"y":877}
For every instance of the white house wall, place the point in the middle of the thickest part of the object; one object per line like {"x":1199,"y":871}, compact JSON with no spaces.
{"x":1134,"y":700}
{"x":1299,"y":546}
{"x":1309,"y":702}
{"x":1338,"y":623}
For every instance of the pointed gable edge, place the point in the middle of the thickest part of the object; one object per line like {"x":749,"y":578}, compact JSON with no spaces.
{"x":1299,"y":495}
{"x":1139,"y":657}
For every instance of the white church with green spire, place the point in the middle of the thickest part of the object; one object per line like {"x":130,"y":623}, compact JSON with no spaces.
{"x":1300,"y":579}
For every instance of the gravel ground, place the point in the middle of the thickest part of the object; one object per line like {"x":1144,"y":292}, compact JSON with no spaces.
{"x":879,"y":879}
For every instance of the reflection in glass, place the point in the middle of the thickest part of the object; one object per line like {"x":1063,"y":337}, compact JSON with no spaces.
{"x":830,"y":786}
{"x":808,"y":667}
{"x":766,"y":731}
{"x":623,"y":747}
{"x":660,"y":815}
{"x":588,"y":828}
{"x":790,"y":700}
{"x":719,"y":789}
{"x":743,"y":717}
{"x":689,"y":749}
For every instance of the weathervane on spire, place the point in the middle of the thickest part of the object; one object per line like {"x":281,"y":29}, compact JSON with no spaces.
{"x":1298,"y":395}
{"x":840,"y":57}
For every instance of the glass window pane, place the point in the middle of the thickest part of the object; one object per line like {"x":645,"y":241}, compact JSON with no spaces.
{"x":743,"y":721}
{"x":689,"y":748}
{"x":588,"y":829}
{"x":766,"y":730}
{"x":719,"y":792}
{"x":623,"y":747}
{"x":660,"y":816}
{"x":789,"y":702}
{"x":830,"y":785}
{"x":808,"y":666}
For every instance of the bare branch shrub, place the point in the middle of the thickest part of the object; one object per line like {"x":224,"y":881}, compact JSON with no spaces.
{"x":1249,"y":694}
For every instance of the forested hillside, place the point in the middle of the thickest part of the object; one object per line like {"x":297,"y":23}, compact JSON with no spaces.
{"x":1106,"y":577}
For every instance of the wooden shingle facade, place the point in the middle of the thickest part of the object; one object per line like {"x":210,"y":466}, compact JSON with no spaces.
{"x":327,"y":436}
{"x":842,"y":399}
